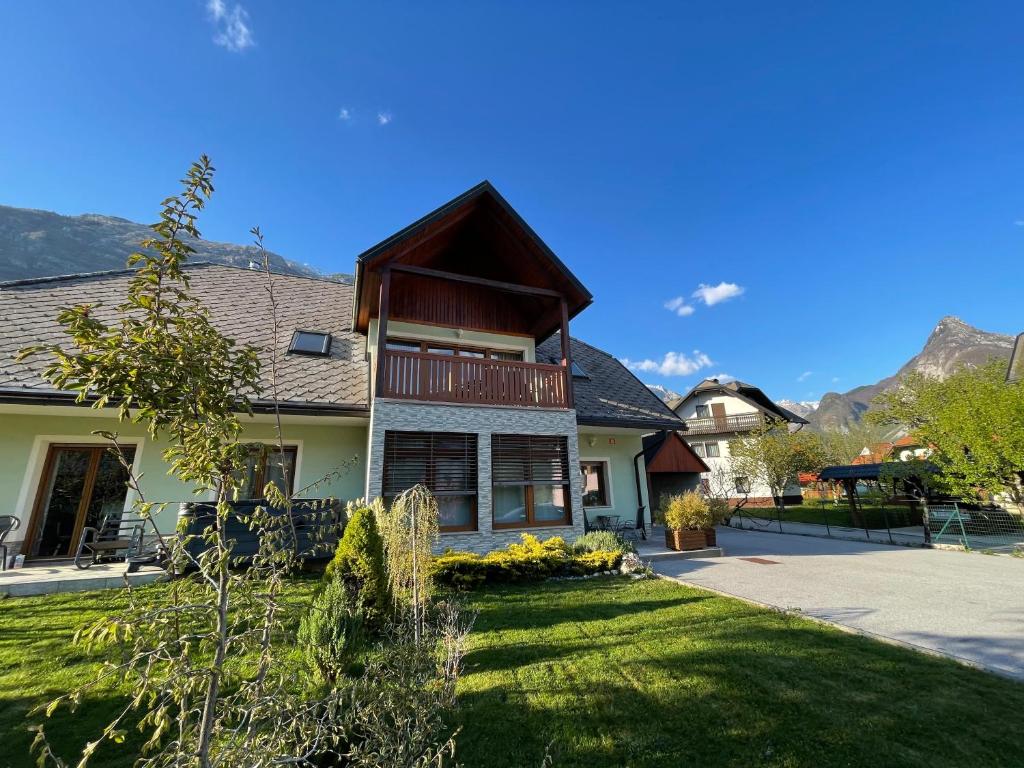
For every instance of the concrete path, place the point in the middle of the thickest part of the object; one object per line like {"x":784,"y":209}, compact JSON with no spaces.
{"x":65,"y":577}
{"x":968,"y":606}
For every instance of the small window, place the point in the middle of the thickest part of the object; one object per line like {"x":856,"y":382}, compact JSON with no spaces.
{"x":504,"y":354}
{"x":595,"y":483}
{"x":578,"y":372}
{"x":267,"y":464}
{"x":703,"y":412}
{"x":711,"y":450}
{"x":530,"y":481}
{"x":310,"y":343}
{"x":403,"y":346}
{"x":698,"y":448}
{"x":742,"y":485}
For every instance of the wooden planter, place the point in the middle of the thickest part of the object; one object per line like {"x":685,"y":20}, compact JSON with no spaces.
{"x":683,"y":540}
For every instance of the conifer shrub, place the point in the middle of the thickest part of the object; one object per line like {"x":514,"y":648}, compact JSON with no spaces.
{"x":332,"y":632}
{"x":359,"y":563}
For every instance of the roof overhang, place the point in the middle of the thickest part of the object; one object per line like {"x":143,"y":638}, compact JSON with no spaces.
{"x":478,"y":236}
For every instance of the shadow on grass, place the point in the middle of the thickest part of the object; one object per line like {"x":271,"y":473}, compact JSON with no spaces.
{"x":708,"y":683}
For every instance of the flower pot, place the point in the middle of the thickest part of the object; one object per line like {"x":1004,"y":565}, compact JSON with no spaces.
{"x":710,"y":537}
{"x":683,"y":540}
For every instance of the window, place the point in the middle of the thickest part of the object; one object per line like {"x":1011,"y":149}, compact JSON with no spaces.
{"x":595,"y":483}
{"x":266,"y":464}
{"x":742,"y":485}
{"x":310,"y":343}
{"x":440,"y":348}
{"x":698,"y":448}
{"x":703,"y":412}
{"x":711,"y":450}
{"x":578,"y":372}
{"x":530,"y":477}
{"x":444,"y":462}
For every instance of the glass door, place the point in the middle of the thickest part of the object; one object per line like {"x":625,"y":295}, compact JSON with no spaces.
{"x":80,"y":486}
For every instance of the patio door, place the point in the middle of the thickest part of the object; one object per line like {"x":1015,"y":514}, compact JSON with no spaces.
{"x":81,"y":484}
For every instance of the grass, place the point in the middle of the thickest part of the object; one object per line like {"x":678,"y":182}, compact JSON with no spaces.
{"x":650,"y":673}
{"x":613,"y":672}
{"x":874,"y":515}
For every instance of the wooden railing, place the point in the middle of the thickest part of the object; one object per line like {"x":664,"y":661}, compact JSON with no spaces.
{"x":452,"y":379}
{"x":712,"y":424}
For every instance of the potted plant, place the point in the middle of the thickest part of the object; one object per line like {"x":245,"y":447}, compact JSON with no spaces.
{"x":689,"y":521}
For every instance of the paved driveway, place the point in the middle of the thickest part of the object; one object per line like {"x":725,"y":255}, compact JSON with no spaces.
{"x":965,"y":605}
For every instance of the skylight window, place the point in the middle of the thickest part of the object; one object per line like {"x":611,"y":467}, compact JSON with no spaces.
{"x":578,"y":372}
{"x":310,"y":343}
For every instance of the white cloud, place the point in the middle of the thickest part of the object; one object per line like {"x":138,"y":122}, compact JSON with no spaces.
{"x":232,"y":25}
{"x":673,"y":364}
{"x":679,"y":306}
{"x":805,"y":376}
{"x":723,"y":378}
{"x":344,"y":114}
{"x":713,"y":294}
{"x":383,"y":118}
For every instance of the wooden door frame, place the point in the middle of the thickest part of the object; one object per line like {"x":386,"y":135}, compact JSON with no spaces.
{"x":89,"y":485}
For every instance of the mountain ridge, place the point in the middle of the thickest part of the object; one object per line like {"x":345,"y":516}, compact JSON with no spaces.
{"x":37,"y":243}
{"x":951,"y":343}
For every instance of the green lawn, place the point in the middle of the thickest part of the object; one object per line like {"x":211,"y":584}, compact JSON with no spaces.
{"x":615,"y":672}
{"x":839,"y":515}
{"x":650,"y":673}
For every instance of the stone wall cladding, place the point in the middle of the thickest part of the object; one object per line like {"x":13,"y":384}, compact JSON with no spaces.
{"x":482,"y":421}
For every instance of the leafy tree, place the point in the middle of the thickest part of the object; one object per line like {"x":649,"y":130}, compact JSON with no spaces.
{"x":974,"y":423}
{"x":772,"y":455}
{"x":843,"y":446}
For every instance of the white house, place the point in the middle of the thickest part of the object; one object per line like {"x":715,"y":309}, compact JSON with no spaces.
{"x":717,"y":412}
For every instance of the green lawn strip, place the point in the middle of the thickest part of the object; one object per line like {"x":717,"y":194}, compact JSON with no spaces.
{"x":874,"y":516}
{"x":651,"y":673}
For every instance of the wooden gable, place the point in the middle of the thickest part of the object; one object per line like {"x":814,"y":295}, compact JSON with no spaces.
{"x":674,"y":455}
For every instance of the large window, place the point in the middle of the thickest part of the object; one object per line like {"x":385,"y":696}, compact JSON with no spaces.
{"x":711,"y":450}
{"x":595,"y":483}
{"x":698,"y":448}
{"x":444,"y":462}
{"x":530,"y":477}
{"x":461,"y":350}
{"x":267,"y":464}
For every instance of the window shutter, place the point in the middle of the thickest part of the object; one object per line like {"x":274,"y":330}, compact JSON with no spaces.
{"x":445,"y":462}
{"x":525,"y":459}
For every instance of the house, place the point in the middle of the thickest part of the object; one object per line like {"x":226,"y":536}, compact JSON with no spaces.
{"x":906,"y":448}
{"x":448,"y":362}
{"x":716,"y":412}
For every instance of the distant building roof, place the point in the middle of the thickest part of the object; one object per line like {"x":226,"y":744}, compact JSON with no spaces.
{"x":753,"y":395}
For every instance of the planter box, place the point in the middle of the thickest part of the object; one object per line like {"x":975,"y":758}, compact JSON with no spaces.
{"x":684,"y":540}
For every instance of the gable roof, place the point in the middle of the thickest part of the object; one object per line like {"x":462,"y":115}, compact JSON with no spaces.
{"x":240,"y":308}
{"x":479,"y":235}
{"x":610,"y":395}
{"x":666,"y":451}
{"x":747,"y":392}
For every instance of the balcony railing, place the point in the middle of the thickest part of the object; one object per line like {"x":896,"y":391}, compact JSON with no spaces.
{"x":480,"y":381}
{"x":713,"y":424}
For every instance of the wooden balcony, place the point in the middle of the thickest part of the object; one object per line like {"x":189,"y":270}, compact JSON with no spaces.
{"x":472,"y":380}
{"x":741,"y":422}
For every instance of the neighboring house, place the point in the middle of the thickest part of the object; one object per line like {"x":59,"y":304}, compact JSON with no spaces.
{"x":905,"y":448}
{"x":716,"y":412}
{"x":447,"y":363}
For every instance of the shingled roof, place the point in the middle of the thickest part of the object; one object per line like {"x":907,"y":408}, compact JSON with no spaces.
{"x":610,"y":395}
{"x":748,"y":392}
{"x":239,"y":306}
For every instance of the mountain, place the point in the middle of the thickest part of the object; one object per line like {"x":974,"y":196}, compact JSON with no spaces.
{"x":40,"y":244}
{"x":953,"y":343}
{"x":800,"y":408}
{"x":666,"y":395}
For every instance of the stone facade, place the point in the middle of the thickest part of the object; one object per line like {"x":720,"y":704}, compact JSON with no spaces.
{"x":482,"y":421}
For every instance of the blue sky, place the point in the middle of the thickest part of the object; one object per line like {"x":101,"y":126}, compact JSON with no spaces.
{"x":836,"y":176}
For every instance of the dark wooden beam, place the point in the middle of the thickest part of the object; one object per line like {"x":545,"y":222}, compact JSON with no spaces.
{"x":497,"y":285}
{"x":567,"y":355}
{"x":382,"y":329}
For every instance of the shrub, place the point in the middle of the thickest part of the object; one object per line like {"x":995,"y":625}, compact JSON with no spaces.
{"x":688,"y":511}
{"x":331,"y":634}
{"x":359,"y":563}
{"x":527,"y":560}
{"x":602,"y":541}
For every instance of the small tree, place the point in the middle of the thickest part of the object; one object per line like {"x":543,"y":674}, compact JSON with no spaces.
{"x":773,"y":456}
{"x":974,"y":423}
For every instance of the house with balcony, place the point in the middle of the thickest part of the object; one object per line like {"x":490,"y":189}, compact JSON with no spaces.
{"x":716,"y":412}
{"x":448,"y":362}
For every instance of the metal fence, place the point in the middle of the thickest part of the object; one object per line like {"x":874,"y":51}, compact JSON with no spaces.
{"x":908,"y":523}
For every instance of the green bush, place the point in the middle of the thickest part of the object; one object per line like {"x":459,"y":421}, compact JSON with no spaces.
{"x":528,"y":560}
{"x":331,"y":634}
{"x":688,"y":511}
{"x":359,"y":563}
{"x":602,"y":541}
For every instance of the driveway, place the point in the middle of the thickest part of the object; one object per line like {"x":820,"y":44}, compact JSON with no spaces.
{"x":964,"y":605}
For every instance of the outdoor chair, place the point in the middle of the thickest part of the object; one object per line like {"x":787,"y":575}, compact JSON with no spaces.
{"x":115,"y":534}
{"x":8,"y":523}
